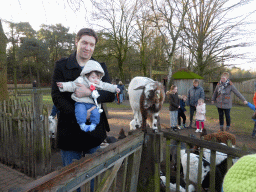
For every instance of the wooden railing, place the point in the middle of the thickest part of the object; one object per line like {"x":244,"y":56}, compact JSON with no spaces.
{"x":114,"y":168}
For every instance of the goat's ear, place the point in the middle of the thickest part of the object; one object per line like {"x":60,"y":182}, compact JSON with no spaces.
{"x":140,"y":87}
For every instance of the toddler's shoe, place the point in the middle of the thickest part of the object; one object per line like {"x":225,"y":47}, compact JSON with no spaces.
{"x":92,"y":127}
{"x":84,"y":127}
{"x":197,"y":131}
{"x":201,"y":130}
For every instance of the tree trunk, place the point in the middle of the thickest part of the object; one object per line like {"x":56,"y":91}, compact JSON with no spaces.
{"x":3,"y":65}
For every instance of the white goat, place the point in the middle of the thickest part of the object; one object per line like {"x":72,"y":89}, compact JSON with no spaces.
{"x":146,"y":98}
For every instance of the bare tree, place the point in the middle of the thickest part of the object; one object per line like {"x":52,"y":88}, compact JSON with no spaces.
{"x":116,"y":17}
{"x":143,"y":36}
{"x":210,"y":34}
{"x":169,"y":18}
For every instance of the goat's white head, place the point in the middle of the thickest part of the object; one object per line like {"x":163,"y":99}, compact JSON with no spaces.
{"x":149,"y":89}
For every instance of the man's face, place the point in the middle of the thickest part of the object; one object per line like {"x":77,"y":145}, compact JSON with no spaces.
{"x":85,"y":47}
{"x":195,"y":84}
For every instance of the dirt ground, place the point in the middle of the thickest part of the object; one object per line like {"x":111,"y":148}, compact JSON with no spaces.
{"x":120,"y":118}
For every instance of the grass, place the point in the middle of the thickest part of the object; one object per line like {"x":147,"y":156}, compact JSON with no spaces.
{"x":241,"y":120}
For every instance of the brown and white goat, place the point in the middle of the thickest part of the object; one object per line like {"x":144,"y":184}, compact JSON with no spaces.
{"x":146,"y":98}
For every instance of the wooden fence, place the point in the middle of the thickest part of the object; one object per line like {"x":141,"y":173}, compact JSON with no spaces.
{"x":213,"y":146}
{"x":24,"y":135}
{"x":131,"y":164}
{"x":114,"y":168}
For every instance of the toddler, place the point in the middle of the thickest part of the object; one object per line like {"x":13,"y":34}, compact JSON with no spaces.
{"x":200,"y":114}
{"x":181,"y":112}
{"x":90,"y":76}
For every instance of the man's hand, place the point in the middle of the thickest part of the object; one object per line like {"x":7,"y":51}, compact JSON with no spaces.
{"x":82,"y":90}
{"x":245,"y":102}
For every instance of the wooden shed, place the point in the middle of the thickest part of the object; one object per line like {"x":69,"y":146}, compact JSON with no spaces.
{"x":183,"y":79}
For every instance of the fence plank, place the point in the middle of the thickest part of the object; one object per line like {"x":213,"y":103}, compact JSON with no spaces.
{"x":110,"y":178}
{"x":178,"y":167}
{"x":168,"y":161}
{"x":124,"y":174}
{"x":212,"y":170}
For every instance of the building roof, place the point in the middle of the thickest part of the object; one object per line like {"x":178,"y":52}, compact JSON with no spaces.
{"x":185,"y":74}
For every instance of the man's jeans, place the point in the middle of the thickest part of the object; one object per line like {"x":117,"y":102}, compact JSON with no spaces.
{"x":69,"y":156}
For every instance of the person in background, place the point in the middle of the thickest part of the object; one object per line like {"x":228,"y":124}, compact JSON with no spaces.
{"x":34,"y":84}
{"x":55,"y":112}
{"x":254,"y":102}
{"x":181,"y":112}
{"x":71,"y":140}
{"x":174,"y":106}
{"x":121,"y":93}
{"x":200,"y":115}
{"x":254,"y":129}
{"x":222,"y":96}
{"x":194,"y":93}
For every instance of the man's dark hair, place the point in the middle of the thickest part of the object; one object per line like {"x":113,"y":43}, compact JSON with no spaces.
{"x":86,"y":31}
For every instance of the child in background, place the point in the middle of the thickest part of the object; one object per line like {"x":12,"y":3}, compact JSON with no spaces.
{"x":254,"y":101}
{"x":181,"y":112}
{"x":254,"y":129}
{"x":200,"y":115}
{"x":174,"y":106}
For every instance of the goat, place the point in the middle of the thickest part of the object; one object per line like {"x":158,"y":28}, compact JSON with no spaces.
{"x":146,"y":98}
{"x":191,"y":188}
{"x":193,"y":171}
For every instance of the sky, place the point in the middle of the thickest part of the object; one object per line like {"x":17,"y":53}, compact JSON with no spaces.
{"x":76,"y":16}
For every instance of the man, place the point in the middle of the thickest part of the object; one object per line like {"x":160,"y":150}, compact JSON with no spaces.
{"x":73,"y":141}
{"x":194,"y":93}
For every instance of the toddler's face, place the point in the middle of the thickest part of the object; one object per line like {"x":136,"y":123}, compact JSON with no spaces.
{"x":94,"y":78}
{"x":200,"y":102}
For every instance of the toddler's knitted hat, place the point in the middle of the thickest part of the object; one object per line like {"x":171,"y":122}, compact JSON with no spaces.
{"x":242,"y":175}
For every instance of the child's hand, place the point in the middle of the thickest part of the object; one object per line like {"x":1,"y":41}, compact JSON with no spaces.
{"x":59,"y":84}
{"x":245,"y":102}
{"x":117,"y":90}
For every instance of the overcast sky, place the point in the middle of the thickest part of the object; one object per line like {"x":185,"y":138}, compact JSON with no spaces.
{"x":76,"y":16}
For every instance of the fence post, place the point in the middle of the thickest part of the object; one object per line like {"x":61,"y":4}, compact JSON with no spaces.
{"x":37,"y":127}
{"x":149,"y":178}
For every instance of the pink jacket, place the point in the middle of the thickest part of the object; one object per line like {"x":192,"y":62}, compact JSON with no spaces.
{"x":200,"y":112}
